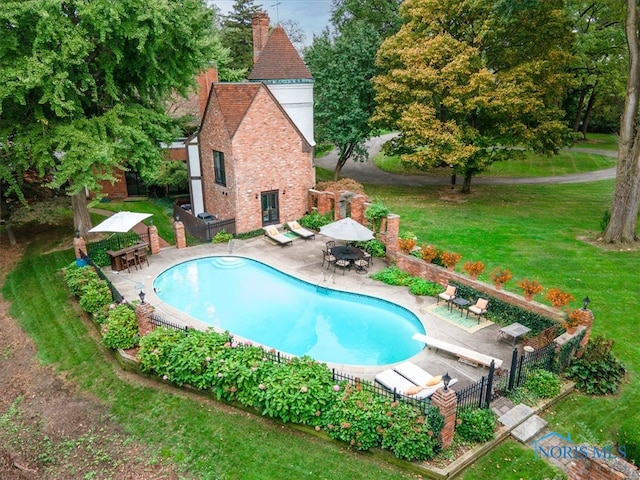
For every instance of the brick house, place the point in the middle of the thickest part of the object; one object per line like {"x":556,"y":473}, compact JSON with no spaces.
{"x":252,"y":157}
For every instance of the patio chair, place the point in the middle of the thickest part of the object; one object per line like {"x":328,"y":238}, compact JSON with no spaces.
{"x":327,"y":257}
{"x":298,"y":230}
{"x":130,"y":259}
{"x":448,"y":295}
{"x":421,"y":377}
{"x":273,"y":233}
{"x":343,"y":263}
{"x":479,"y":309}
{"x":330,"y":244}
{"x":394,"y":382}
{"x":141,"y":255}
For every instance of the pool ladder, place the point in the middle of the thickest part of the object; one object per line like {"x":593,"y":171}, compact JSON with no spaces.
{"x":323,"y":278}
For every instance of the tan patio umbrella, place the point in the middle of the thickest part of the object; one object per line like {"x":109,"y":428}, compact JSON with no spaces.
{"x":120,"y":222}
{"x":348,"y":230}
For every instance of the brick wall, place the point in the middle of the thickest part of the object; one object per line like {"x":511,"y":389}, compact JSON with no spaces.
{"x":602,"y":469}
{"x":266,"y":154}
{"x":118,"y":189}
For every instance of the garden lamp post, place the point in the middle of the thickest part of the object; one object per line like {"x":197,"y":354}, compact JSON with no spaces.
{"x":141,"y":295}
{"x":446,"y":379}
{"x":585,"y":303}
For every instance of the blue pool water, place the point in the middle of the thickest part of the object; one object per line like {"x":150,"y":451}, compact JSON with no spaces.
{"x":259,"y":303}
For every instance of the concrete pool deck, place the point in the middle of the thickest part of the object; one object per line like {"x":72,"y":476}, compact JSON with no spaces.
{"x":303,"y":260}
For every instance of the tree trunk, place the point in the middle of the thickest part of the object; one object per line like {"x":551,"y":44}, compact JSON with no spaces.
{"x":466,"y":184}
{"x":587,"y":114}
{"x":578,"y":116}
{"x":624,"y":209}
{"x":345,"y":152}
{"x":81,"y":218}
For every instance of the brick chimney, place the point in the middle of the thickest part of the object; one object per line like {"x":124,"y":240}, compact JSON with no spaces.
{"x":260,"y":25}
{"x":205,"y":79}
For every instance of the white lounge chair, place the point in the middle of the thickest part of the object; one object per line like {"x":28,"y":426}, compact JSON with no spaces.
{"x":393,"y":381}
{"x":464,"y":354}
{"x":422,"y":378}
{"x":273,"y":233}
{"x":298,"y":230}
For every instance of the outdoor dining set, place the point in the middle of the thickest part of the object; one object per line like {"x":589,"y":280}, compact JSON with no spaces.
{"x":345,"y":257}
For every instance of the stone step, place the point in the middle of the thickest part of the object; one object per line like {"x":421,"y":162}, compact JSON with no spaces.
{"x":528,"y":429}
{"x":516,"y":415}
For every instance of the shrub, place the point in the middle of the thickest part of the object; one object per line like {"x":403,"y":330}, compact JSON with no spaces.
{"x":95,"y":297}
{"x":314,"y":220}
{"x":543,"y":384}
{"x":411,"y":434}
{"x":407,"y":241}
{"x":375,"y":247}
{"x":597,"y":372}
{"x":222,"y":237}
{"x":375,"y":213}
{"x":629,"y":438}
{"x":450,"y":259}
{"x":428,"y":253}
{"x":298,"y":391}
{"x":79,"y":279}
{"x":500,"y":275}
{"x":473,"y":268}
{"x":155,"y":349}
{"x":393,"y":276}
{"x":419,"y":286}
{"x":476,"y":425}
{"x":530,"y":287}
{"x":558,"y":298}
{"x":121,"y":329}
{"x":358,"y":418}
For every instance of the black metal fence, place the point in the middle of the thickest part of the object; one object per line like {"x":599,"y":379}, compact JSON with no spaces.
{"x":116,"y":241}
{"x":158,"y":321}
{"x":479,"y":394}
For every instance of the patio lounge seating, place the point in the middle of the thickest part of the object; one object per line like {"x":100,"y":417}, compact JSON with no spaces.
{"x":273,"y":233}
{"x":464,"y":354}
{"x":448,"y":295}
{"x":393,"y":381}
{"x":421,"y":377}
{"x":480,"y":308}
{"x":298,"y":230}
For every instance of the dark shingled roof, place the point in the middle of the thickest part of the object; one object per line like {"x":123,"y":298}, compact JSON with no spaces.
{"x":235,"y":99}
{"x":279,"y":60}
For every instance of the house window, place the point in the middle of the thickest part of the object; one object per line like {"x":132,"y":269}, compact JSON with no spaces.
{"x":218,"y":167}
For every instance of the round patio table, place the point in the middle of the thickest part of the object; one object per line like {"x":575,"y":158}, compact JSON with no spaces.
{"x":349,"y":253}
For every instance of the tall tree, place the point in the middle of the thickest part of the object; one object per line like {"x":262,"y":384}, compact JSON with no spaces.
{"x":83,"y":86}
{"x":342,"y":68}
{"x":626,"y":196}
{"x":237,"y":34}
{"x":465,"y":80}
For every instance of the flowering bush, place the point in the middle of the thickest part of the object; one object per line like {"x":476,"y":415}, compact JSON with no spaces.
{"x":407,"y":241}
{"x":530,"y":287}
{"x":412,"y":434}
{"x":558,"y":298}
{"x":473,"y":268}
{"x":428,"y":253}
{"x":449,"y":259}
{"x":121,"y":328}
{"x":574,"y":319}
{"x":500,"y":275}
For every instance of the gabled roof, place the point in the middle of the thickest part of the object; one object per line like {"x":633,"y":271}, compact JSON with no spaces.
{"x":235,"y":99}
{"x":279,"y":60}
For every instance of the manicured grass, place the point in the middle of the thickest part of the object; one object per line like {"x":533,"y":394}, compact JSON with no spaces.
{"x":512,"y":461}
{"x":161,"y":210}
{"x":205,"y":439}
{"x":534,"y":232}
{"x":532,"y":165}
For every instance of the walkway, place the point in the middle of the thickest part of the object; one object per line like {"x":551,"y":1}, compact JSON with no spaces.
{"x":368,"y":172}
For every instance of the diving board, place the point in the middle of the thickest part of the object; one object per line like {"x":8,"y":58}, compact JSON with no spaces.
{"x":463,"y":354}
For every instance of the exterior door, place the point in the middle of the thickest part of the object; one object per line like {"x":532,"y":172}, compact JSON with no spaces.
{"x":270,"y":212}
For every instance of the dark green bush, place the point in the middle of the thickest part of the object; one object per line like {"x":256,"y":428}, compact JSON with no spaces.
{"x":419,"y":286}
{"x":393,"y":276}
{"x":358,"y":418}
{"x":79,"y":279}
{"x":95,"y":297}
{"x":221,"y":237}
{"x":411,"y":434}
{"x":598,"y":371}
{"x":155,"y":349}
{"x":476,"y":425}
{"x":121,"y":328}
{"x":375,"y":247}
{"x":543,"y":384}
{"x":314,"y":220}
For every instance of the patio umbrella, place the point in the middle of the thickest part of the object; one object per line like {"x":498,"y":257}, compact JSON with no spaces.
{"x":120,"y":222}
{"x":347,"y":229}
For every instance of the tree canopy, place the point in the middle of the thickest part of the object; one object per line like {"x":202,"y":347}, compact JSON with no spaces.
{"x":468,"y":82}
{"x":83,"y":86}
{"x":237,"y":34}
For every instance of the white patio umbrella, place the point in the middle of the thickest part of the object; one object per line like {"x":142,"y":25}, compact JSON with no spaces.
{"x":347,"y":229}
{"x":120,"y":222}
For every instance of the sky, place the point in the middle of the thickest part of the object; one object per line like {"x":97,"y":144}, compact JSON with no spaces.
{"x":312,"y":15}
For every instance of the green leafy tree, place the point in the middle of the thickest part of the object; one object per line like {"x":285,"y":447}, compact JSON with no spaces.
{"x":84,"y":84}
{"x":237,"y":34}
{"x":626,"y":196}
{"x":600,"y":61}
{"x":382,"y":15}
{"x":342,"y":67}
{"x":468,"y":83}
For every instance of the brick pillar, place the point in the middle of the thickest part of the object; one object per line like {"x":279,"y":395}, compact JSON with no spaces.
{"x":357,"y":209}
{"x":178,"y":229}
{"x":154,"y":239}
{"x":447,"y":403}
{"x":586,"y":319}
{"x":324,"y":202}
{"x":390,"y":236}
{"x":144,"y":314}
{"x":79,"y":244}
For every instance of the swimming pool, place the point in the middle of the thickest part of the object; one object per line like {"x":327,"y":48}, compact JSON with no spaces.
{"x":259,"y":303}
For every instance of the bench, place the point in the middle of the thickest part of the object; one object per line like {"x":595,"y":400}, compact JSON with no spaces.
{"x":463,"y":354}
